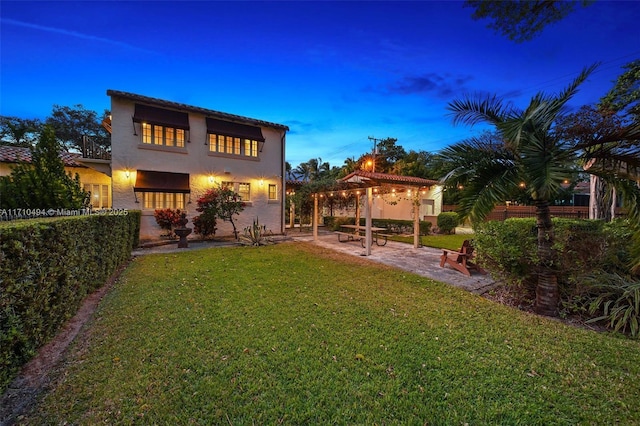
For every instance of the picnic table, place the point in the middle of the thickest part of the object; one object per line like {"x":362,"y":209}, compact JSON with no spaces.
{"x":357,"y":233}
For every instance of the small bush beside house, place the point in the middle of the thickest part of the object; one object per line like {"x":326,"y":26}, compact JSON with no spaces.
{"x":47,"y":267}
{"x":447,"y":222}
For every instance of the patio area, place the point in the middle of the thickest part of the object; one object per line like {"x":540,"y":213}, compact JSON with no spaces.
{"x":424,"y":261}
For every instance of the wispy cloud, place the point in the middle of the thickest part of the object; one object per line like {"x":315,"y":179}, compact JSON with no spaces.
{"x":443,"y":86}
{"x":75,"y":34}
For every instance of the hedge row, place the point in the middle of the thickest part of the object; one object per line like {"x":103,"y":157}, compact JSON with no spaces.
{"x":394,"y":226}
{"x":47,"y":267}
{"x":509,"y":248}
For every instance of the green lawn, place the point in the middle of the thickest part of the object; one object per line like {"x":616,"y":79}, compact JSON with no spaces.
{"x":297,"y":334}
{"x":451,"y":242}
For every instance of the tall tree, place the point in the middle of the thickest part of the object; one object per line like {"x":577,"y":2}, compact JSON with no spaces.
{"x":522,"y":20}
{"x":531,"y":153}
{"x":43,"y":183}
{"x":312,"y":170}
{"x":19,"y":131}
{"x":75,"y":126}
{"x":416,"y":163}
{"x":624,"y":97}
{"x":582,"y":128}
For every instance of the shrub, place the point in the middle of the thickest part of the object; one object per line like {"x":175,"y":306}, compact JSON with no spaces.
{"x":586,"y":248}
{"x":255,"y":235}
{"x":47,"y":267}
{"x":617,"y":302}
{"x":167,"y":219}
{"x":335,"y":222}
{"x":447,"y":222}
{"x":43,"y":183}
{"x":217,"y":203}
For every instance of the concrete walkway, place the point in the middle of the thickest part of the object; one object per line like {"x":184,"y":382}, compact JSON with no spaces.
{"x":424,"y":261}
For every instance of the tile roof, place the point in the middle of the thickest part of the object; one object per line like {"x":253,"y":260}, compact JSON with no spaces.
{"x":382,"y":178}
{"x":190,"y":108}
{"x":16,"y":154}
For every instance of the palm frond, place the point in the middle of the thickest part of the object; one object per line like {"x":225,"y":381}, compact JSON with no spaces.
{"x":479,"y":109}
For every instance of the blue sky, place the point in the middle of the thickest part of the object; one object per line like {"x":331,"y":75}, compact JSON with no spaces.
{"x":334,"y":72}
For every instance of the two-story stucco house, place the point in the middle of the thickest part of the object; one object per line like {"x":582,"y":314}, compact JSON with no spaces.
{"x":166,"y":155}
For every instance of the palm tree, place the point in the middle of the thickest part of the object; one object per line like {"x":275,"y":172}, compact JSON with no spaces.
{"x":530,"y":155}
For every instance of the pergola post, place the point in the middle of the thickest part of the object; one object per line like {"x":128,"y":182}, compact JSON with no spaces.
{"x":315,"y":217}
{"x":416,"y":220}
{"x":292,"y":215}
{"x":367,"y":234}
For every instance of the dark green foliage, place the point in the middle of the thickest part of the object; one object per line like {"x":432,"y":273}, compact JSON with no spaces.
{"x":19,"y":131}
{"x":217,"y":203}
{"x":617,"y":302}
{"x":522,"y":20}
{"x":73,"y":124}
{"x":592,"y":255}
{"x":43,"y":183}
{"x":447,"y":222}
{"x":47,"y":267}
{"x":256,"y":235}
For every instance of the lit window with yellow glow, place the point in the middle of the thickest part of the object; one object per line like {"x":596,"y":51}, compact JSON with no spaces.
{"x":163,"y":200}
{"x":244,"y":190}
{"x":273,"y":192}
{"x":162,"y":136}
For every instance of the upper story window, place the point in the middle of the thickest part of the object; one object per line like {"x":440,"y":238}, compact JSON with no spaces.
{"x":231,"y":138}
{"x":233,"y":146}
{"x":161,"y":135}
{"x":161,"y":127}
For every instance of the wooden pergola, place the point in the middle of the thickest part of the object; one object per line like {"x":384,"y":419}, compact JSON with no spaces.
{"x":381,"y":183}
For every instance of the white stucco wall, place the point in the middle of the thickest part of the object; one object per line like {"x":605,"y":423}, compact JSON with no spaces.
{"x":203,"y":167}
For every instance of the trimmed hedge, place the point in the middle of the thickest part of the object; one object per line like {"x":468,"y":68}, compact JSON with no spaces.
{"x":447,"y":222}
{"x":509,"y":249}
{"x":47,"y":268}
{"x":395,"y":226}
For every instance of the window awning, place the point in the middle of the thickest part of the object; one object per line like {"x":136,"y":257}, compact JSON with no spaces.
{"x":236,"y":130}
{"x":162,"y":117}
{"x":150,"y":181}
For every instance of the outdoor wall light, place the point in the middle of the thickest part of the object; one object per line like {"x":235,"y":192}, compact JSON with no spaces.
{"x":211,"y":179}
{"x":127,"y":173}
{"x":261,"y":182}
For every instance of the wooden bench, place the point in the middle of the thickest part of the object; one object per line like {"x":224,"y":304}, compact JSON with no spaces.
{"x":461,"y":260}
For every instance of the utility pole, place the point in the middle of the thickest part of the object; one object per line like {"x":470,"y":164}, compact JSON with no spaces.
{"x":374,"y":152}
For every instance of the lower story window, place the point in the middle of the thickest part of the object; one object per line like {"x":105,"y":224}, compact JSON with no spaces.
{"x":273,"y":192}
{"x":241,"y":188}
{"x":99,"y":195}
{"x":244,"y":190}
{"x":163,"y":200}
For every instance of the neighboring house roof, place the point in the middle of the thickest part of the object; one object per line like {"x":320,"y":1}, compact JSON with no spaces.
{"x":17,"y":154}
{"x":582,"y":188}
{"x":183,"y":107}
{"x":369,"y":178}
